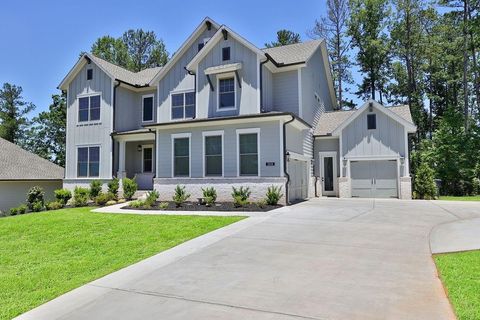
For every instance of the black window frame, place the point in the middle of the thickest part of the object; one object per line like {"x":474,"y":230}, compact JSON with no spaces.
{"x":89,"y":74}
{"x":88,"y":162}
{"x":225,"y":53}
{"x":143,"y":107}
{"x":371,"y":121}
{"x":89,"y":109}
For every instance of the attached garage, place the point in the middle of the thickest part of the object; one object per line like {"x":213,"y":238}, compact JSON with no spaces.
{"x":374,"y":179}
{"x":298,"y":186}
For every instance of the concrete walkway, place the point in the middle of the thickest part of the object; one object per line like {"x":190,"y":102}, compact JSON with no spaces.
{"x":321,"y":259}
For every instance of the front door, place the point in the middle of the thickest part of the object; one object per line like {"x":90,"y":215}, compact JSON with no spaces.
{"x":328,"y":173}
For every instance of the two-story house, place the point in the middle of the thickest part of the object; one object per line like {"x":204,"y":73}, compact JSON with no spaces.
{"x":220,"y":113}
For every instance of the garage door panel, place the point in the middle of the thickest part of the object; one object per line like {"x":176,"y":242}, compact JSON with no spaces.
{"x":374,"y":179}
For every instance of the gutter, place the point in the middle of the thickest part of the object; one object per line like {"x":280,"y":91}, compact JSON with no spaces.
{"x":285,"y":156}
{"x":281,"y":64}
{"x":113,"y":123}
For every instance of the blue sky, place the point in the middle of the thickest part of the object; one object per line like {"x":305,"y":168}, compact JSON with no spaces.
{"x":41,"y":40}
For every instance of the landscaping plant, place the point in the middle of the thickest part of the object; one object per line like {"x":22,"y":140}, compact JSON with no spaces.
{"x":424,"y":183}
{"x":54,"y":205}
{"x":163,"y":205}
{"x":63,"y":195}
{"x":80,"y":196}
{"x":274,"y":194}
{"x":95,"y":188}
{"x":113,"y":186}
{"x":129,"y":188}
{"x":210,"y":192}
{"x":152,"y":196}
{"x":111,"y":203}
{"x":137,"y":204}
{"x":180,"y":195}
{"x":103,"y":198}
{"x":38,"y":206}
{"x":34,"y":195}
{"x":209,"y":201}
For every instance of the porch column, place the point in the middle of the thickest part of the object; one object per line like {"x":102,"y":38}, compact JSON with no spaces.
{"x":121,"y":160}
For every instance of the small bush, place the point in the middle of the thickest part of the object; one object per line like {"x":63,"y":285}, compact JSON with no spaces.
{"x":111,"y":202}
{"x":95,"y":188}
{"x":121,"y":201}
{"x":63,"y":195}
{"x":180,"y":195}
{"x":274,"y":194}
{"x":34,"y":195}
{"x":210,"y":192}
{"x":80,"y":196}
{"x":129,"y":187}
{"x":239,"y":201}
{"x":103,"y":198}
{"x":54,"y":205}
{"x":262,"y":203}
{"x":113,"y":186}
{"x":243,"y":193}
{"x":163,"y":205}
{"x":22,"y":209}
{"x":137,"y":204}
{"x":424,"y":183}
{"x":152,"y":196}
{"x":13,"y":211}
{"x":38,"y":206}
{"x":209,"y":201}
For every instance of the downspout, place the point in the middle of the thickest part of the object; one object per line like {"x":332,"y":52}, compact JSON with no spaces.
{"x":285,"y":156}
{"x":113,"y":127}
{"x":194,"y":89}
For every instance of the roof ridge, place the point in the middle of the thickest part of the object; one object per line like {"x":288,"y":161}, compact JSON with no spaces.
{"x":118,"y":66}
{"x":292,"y":44}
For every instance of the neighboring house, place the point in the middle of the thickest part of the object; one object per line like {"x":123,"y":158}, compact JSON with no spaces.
{"x":20,"y":170}
{"x":220,"y":113}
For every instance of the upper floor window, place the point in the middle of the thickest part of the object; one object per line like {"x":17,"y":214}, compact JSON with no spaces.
{"x":226,"y":93}
{"x":147,"y":108}
{"x":89,"y":108}
{"x":89,"y":74}
{"x":183,"y":105}
{"x":226,"y":53}
{"x":200,"y":46}
{"x":88,"y":161}
{"x":371,"y":121}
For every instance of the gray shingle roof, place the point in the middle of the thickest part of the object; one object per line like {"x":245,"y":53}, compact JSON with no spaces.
{"x":329,"y":121}
{"x":293,"y":53}
{"x":19,"y":164}
{"x":140,"y":78}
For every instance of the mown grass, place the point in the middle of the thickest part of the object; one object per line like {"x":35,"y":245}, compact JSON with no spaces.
{"x":460,"y":273}
{"x":460,"y":198}
{"x":43,"y":255}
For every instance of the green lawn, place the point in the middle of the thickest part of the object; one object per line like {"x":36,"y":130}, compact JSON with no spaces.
{"x":460,"y":198}
{"x":460,"y":273}
{"x":43,"y":255}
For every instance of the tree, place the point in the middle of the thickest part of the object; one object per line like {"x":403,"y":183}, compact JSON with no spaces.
{"x":46,"y":137}
{"x":284,"y":37}
{"x":112,"y":50}
{"x":333,"y":28}
{"x":13,"y":111}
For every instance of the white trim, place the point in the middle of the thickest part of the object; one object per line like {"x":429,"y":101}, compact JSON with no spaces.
{"x":88,"y":161}
{"x":300,"y":98}
{"x":235,"y":89}
{"x":151,"y":95}
{"x":77,"y":108}
{"x":77,"y":68}
{"x":340,"y":155}
{"x":373,"y":158}
{"x":231,"y":67}
{"x":174,"y":136}
{"x":332,"y":154}
{"x":406,"y":166}
{"x":196,"y":93}
{"x":259,"y":103}
{"x":298,"y":156}
{"x":147,"y":146}
{"x":157,"y":107}
{"x":184,"y":92}
{"x":112,"y":115}
{"x":204,"y":162}
{"x":247,"y":131}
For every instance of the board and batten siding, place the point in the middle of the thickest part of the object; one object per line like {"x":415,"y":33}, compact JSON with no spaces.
{"x":267,"y":89}
{"x":85,"y":133}
{"x":177,"y":79}
{"x":388,"y":139}
{"x":269,"y":151}
{"x":129,"y":113}
{"x":285,"y":91}
{"x":325,"y":145}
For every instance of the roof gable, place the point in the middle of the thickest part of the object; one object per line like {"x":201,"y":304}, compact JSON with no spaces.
{"x":293,"y":53}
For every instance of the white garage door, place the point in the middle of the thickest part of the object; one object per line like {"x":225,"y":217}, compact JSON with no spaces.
{"x":374,"y":179}
{"x":298,"y":186}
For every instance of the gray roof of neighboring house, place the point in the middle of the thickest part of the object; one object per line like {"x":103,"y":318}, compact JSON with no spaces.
{"x":19,"y":164}
{"x":329,"y":121}
{"x":140,"y":78}
{"x":293,"y":53}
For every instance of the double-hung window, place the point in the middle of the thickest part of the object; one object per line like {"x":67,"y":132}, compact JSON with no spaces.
{"x":226,"y":93}
{"x":147,"y":154}
{"x":181,"y":155}
{"x":213,"y":150}
{"x":183,"y":105}
{"x":89,"y":108}
{"x":147,"y":108}
{"x":248,"y":152}
{"x":88,"y":161}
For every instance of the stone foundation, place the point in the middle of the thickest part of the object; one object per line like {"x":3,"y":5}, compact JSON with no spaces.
{"x":405,"y":188}
{"x":258,"y":187}
{"x":344,"y":190}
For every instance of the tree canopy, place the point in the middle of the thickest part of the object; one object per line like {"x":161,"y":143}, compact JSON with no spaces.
{"x":284,"y":37}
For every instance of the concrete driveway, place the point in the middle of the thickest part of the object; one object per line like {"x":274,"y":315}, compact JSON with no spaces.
{"x":321,"y":259}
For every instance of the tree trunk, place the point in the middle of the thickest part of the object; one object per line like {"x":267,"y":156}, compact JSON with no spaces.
{"x":465,"y":63}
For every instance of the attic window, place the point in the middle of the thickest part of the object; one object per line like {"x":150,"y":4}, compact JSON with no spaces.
{"x":371,"y":121}
{"x":226,"y":53}
{"x":200,"y":46}
{"x":89,"y":74}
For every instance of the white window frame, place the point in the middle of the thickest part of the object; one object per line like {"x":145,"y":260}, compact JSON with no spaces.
{"x":88,"y":95}
{"x":177,"y":136}
{"x":153,"y":107}
{"x":235,"y":89}
{"x":246,"y":131}
{"x":206,"y":134}
{"x":88,"y":163}
{"x":148,"y":146}
{"x":184,"y":100}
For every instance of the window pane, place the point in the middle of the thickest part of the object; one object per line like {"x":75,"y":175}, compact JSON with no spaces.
{"x":189,"y":111}
{"x":181,"y":166}
{"x":89,"y":74}
{"x":189,"y":98}
{"x":248,"y":143}
{"x":249,"y":164}
{"x":83,"y":115}
{"x":94,"y":154}
{"x":94,"y":169}
{"x":82,"y":154}
{"x":181,"y":146}
{"x":148,"y":109}
{"x":147,"y":153}
{"x":95,"y":108}
{"x":82,"y":169}
{"x":177,"y":113}
{"x":177,"y":100}
{"x":95,"y":114}
{"x":213,"y":165}
{"x":227,"y":100}
{"x":83,"y":109}
{"x":147,"y":165}
{"x":227,"y":85}
{"x":82,"y":162}
{"x":226,"y":53}
{"x":213,"y":145}
{"x":371,"y":121}
{"x":147,"y":159}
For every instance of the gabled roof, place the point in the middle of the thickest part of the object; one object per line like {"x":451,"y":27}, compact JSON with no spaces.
{"x":293,"y":53}
{"x":332,"y":122}
{"x":19,"y":164}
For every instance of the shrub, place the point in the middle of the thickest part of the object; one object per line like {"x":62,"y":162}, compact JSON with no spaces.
{"x":209,"y":201}
{"x":13,"y":211}
{"x":111,"y":202}
{"x":80,"y":196}
{"x":163,"y":205}
{"x":152,"y":196}
{"x":95,"y":188}
{"x":239,"y":201}
{"x":54,"y":205}
{"x":274,"y":194}
{"x":35,"y":194}
{"x":262,"y":203}
{"x":424,"y":183}
{"x":113,"y":186}
{"x":103,"y":198}
{"x":210,"y":192}
{"x":180,"y":195}
{"x":22,"y":209}
{"x":243,"y":193}
{"x":63,"y":195}
{"x":38,"y":206}
{"x":129,"y":187}
{"x":121,"y":201}
{"x":476,"y":186}
{"x":137,"y":203}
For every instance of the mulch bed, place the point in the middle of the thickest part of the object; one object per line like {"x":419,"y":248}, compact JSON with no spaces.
{"x":219,"y":206}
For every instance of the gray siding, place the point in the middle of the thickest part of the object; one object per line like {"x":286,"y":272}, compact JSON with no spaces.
{"x":128,"y":113}
{"x":267,"y":88}
{"x":98,"y":133}
{"x":269,"y":151}
{"x":285,"y":91}
{"x":246,"y":96}
{"x":386,"y":140}
{"x":325,"y":145}
{"x":14,"y":193}
{"x":177,"y":78}
{"x":295,"y":140}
